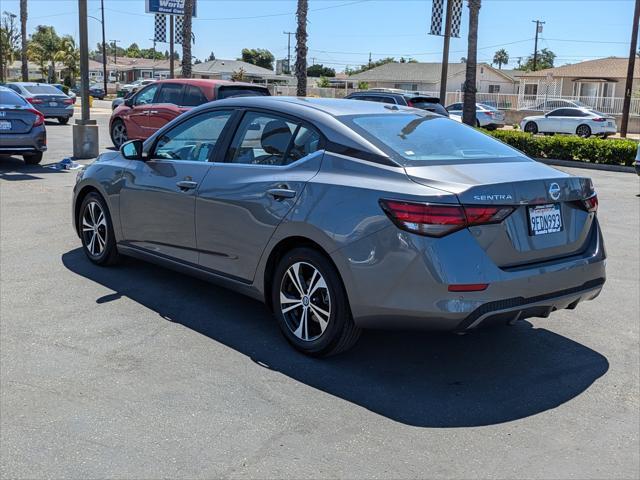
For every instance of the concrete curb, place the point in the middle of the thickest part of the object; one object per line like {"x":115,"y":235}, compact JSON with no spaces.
{"x":587,"y":165}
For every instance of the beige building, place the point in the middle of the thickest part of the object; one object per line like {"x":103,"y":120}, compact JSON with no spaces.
{"x":425,"y":77}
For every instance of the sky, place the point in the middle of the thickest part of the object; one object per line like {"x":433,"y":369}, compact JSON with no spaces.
{"x":343,"y":32}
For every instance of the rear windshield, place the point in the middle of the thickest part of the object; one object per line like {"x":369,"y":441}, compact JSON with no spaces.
{"x":414,"y":140}
{"x":46,"y":89}
{"x":7,"y":97}
{"x":429,"y":105}
{"x":231,"y":91}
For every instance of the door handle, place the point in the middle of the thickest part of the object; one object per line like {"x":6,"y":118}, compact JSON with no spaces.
{"x":153,"y":112}
{"x":186,"y":185}
{"x":281,"y":193}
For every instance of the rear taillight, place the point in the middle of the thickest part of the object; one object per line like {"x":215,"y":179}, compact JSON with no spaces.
{"x":436,"y":220}
{"x":34,"y":101}
{"x":409,"y":103}
{"x":591,"y":204}
{"x":68,"y":101}
{"x":599,"y":119}
{"x":491,"y":114}
{"x":39,"y":117}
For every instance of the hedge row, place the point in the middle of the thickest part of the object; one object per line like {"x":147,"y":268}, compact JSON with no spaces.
{"x":566,"y":147}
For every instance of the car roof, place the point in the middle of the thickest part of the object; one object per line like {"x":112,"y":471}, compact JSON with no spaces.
{"x":31,"y":84}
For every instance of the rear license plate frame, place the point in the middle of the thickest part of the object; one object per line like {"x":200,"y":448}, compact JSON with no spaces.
{"x":5,"y":125}
{"x":539,"y":211}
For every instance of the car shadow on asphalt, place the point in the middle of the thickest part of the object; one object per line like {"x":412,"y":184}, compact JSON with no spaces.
{"x":416,"y":378}
{"x":14,"y":169}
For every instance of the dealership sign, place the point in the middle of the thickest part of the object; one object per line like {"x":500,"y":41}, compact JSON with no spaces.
{"x":168,"y":7}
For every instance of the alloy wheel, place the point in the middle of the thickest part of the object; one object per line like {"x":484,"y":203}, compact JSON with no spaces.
{"x":305,"y":301}
{"x":119,"y":134}
{"x":583,"y":131}
{"x":94,"y":229}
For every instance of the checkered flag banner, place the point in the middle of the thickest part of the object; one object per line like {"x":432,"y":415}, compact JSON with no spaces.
{"x":178,"y":29}
{"x":160,"y":31}
{"x":438,"y":14}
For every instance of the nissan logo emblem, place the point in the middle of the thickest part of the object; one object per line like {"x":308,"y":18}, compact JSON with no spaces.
{"x":554,"y":191}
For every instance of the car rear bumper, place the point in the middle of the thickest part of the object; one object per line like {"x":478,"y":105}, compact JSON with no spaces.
{"x":20,"y":143}
{"x":399,"y":280}
{"x":54,"y":112}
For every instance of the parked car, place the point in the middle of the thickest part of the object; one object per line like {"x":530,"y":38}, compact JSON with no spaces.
{"x":552,"y":104}
{"x":486,"y":116}
{"x":45,"y":98}
{"x":343,"y":215}
{"x":583,"y":122}
{"x":136,"y":85}
{"x":143,"y":113}
{"x":637,"y":161}
{"x":97,"y":91}
{"x":69,"y":93}
{"x":399,"y":97}
{"x":22,"y":130}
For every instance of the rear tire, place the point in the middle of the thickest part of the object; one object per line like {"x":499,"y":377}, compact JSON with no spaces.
{"x":583,"y":131}
{"x":118,"y":133}
{"x":63,"y":120}
{"x":33,"y":158}
{"x":531,"y":127}
{"x":311,"y":305}
{"x":96,"y":231}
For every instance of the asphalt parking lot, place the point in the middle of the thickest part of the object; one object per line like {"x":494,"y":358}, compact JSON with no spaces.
{"x":140,"y":372}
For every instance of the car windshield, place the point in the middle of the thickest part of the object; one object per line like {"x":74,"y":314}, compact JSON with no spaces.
{"x":45,"y":89}
{"x":415,"y":140}
{"x":7,"y":97}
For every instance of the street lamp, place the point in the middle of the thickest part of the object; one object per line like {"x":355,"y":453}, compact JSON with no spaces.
{"x":104,"y":48}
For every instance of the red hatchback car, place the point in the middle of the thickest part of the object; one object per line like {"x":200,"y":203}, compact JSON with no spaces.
{"x":153,"y":106}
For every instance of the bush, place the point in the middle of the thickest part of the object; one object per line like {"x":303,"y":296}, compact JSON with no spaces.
{"x":566,"y":147}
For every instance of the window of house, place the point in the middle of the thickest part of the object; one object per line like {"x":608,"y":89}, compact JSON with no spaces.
{"x":531,"y":89}
{"x":494,"y":88}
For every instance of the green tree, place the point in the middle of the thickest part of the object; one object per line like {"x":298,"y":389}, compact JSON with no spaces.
{"x":545,"y":60}
{"x":369,"y":66}
{"x":132,"y":51}
{"x":47,"y":43}
{"x":363,"y":85}
{"x":69,"y":56}
{"x":501,"y":57}
{"x":469,"y":103}
{"x":9,"y":42}
{"x":301,"y":47}
{"x":258,"y":56}
{"x":323,"y":82}
{"x":320,"y":70}
{"x":408,"y":60}
{"x":211,"y":57}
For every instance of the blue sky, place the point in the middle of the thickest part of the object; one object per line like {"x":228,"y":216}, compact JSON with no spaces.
{"x":343,"y":32}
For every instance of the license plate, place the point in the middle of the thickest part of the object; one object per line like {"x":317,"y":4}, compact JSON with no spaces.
{"x":5,"y":125}
{"x":53,"y":104}
{"x":545,"y":219}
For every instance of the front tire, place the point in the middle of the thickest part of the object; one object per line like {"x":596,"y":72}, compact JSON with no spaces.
{"x":33,"y":158}
{"x":118,"y":133}
{"x":96,"y":231}
{"x":583,"y":131}
{"x":531,"y":127}
{"x":63,"y":120}
{"x":311,"y":305}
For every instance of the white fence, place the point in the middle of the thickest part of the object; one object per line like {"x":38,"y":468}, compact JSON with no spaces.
{"x":503,"y":101}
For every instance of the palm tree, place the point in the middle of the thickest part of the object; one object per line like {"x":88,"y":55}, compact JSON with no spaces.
{"x":23,"y":40}
{"x":69,"y":56}
{"x":48,"y":44}
{"x":186,"y":39}
{"x":301,"y":47}
{"x":37,"y":54}
{"x":501,"y":57}
{"x":469,"y":104}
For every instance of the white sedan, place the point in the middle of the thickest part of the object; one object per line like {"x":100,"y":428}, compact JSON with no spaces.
{"x":583,"y":122}
{"x":486,"y":116}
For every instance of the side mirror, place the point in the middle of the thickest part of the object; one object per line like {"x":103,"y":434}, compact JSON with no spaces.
{"x":132,"y":150}
{"x":128,"y":102}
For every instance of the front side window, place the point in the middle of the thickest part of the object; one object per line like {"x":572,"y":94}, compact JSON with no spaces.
{"x":265,"y":139}
{"x":145,"y":97}
{"x":193,"y":140}
{"x":170,"y":93}
{"x":415,"y":140}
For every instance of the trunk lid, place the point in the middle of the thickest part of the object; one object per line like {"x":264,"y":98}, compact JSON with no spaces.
{"x":522,"y":185}
{"x":16,"y":120}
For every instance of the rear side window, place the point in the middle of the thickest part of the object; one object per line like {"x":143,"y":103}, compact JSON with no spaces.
{"x":170,"y":93}
{"x":415,"y":140}
{"x":193,"y":96}
{"x":236,"y":91}
{"x":7,"y":97}
{"x":42,"y":89}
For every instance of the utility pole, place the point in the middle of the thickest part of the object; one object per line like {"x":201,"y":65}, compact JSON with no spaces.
{"x":288,"y":34}
{"x":445,"y":54}
{"x":539,"y":24}
{"x":85,"y":130}
{"x":171,"y":48}
{"x":115,"y":50}
{"x":369,"y":60}
{"x":104,"y":50}
{"x":626,"y":105}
